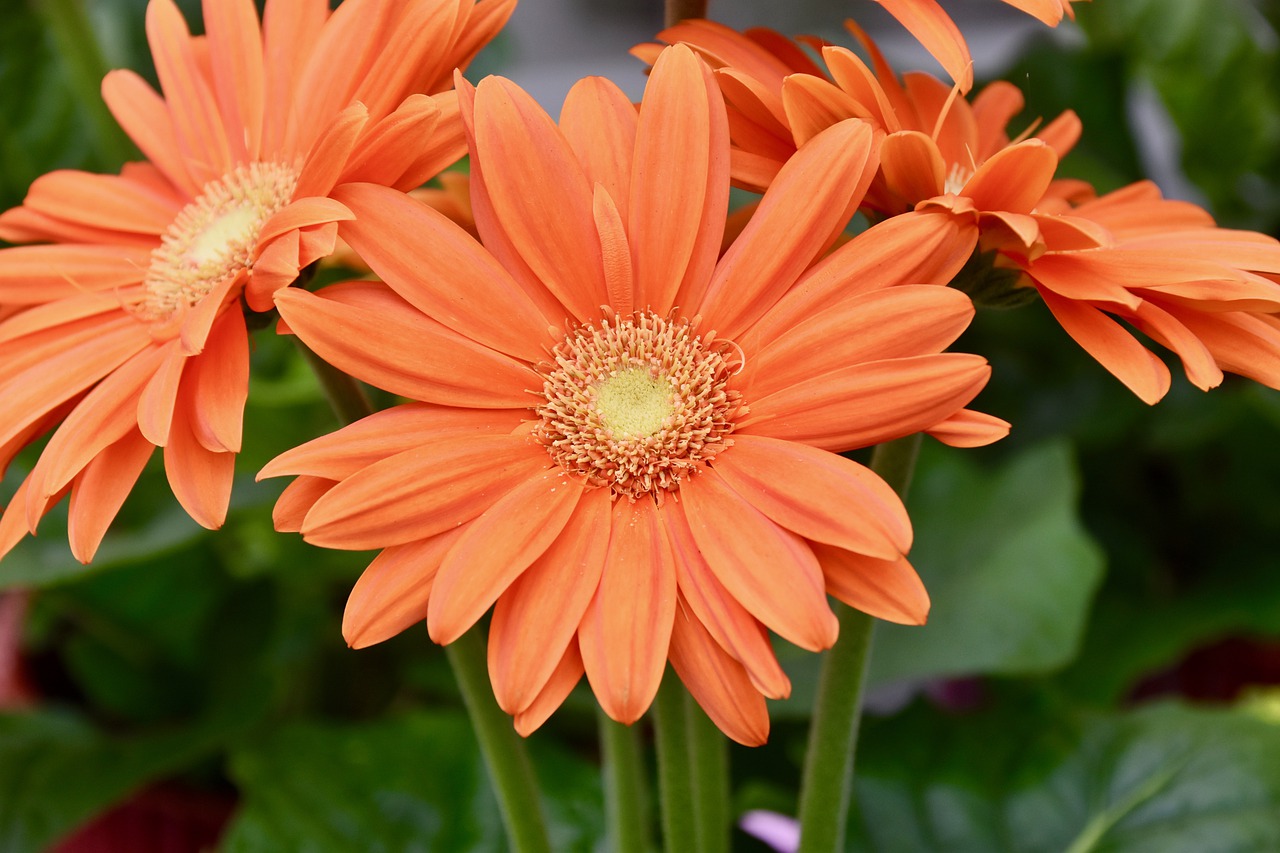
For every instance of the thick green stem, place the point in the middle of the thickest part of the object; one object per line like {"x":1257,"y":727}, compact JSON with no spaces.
{"x":680,"y":10}
{"x":827,"y":783}
{"x":709,"y":752}
{"x":624,"y":787}
{"x":346,"y":397}
{"x":510,"y":770}
{"x":81,"y":55}
{"x":675,"y":771}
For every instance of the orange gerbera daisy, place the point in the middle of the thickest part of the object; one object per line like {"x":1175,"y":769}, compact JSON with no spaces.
{"x":939,"y":35}
{"x":1207,"y":293}
{"x":626,"y":442}
{"x":129,"y":330}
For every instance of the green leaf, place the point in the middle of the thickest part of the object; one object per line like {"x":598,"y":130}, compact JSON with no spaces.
{"x":1166,"y":779}
{"x":56,"y":771}
{"x":1009,"y":569}
{"x":415,"y":783}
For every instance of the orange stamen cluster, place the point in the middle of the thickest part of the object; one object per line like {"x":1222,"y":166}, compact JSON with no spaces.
{"x":214,"y":237}
{"x":638,"y":404}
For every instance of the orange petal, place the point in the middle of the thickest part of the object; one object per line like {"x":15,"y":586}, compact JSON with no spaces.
{"x":967,"y":428}
{"x":101,"y":201}
{"x":296,"y":501}
{"x":925,"y":20}
{"x":1197,"y":359}
{"x":235,"y":51}
{"x":329,"y":156}
{"x":529,"y":173}
{"x":538,"y":616}
{"x":391,"y":146}
{"x":871,"y":402}
{"x":559,"y":685}
{"x":1242,"y":343}
{"x":682,"y":141}
{"x":416,"y":356}
{"x":1014,"y":179}
{"x":100,"y":490}
{"x":599,"y":122}
{"x":798,"y":218}
{"x":38,"y":274}
{"x":160,"y":395}
{"x":219,"y":379}
{"x":1113,"y":347}
{"x":200,"y":478}
{"x":912,"y":166}
{"x":817,"y":494}
{"x":887,"y":589}
{"x":393,"y":592}
{"x":813,"y":104}
{"x":289,"y":32}
{"x":615,"y":252}
{"x":442,"y":270}
{"x":441,"y":483}
{"x":496,"y":548}
{"x":718,"y":683}
{"x":854,"y":77}
{"x":143,"y":115}
{"x":737,"y":631}
{"x":627,"y":627}
{"x":769,"y":570}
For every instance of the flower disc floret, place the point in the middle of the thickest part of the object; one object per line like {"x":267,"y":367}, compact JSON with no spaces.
{"x":214,"y":236}
{"x":638,"y":404}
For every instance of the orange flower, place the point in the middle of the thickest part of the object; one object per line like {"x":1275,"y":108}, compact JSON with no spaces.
{"x":939,"y":35}
{"x":128,"y":330}
{"x":627,"y":442}
{"x":1207,"y":293}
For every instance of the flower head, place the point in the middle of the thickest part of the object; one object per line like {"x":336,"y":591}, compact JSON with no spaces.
{"x":126,"y":328}
{"x":625,"y":443}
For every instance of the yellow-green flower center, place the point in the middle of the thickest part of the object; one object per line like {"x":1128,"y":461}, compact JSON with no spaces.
{"x":637,"y":405}
{"x":214,"y":237}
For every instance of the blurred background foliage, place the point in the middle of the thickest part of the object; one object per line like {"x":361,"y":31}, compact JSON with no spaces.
{"x":1101,"y":666}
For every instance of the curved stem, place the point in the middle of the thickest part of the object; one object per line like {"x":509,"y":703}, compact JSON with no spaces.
{"x":510,"y":770}
{"x":679,"y":10}
{"x":827,"y":783}
{"x":624,"y":787}
{"x":709,"y":753}
{"x":675,"y":771}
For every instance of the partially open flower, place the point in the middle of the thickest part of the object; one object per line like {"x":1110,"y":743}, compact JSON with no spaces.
{"x":128,"y":330}
{"x":626,"y":444}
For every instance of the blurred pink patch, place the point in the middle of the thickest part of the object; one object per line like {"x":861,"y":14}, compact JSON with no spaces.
{"x":15,"y":689}
{"x":780,"y":832}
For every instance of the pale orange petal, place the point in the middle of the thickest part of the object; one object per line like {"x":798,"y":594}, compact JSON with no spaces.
{"x":599,"y":123}
{"x":391,"y":146}
{"x":1197,"y":359}
{"x":219,"y":379}
{"x":967,"y":428}
{"x":615,"y":253}
{"x":626,"y":630}
{"x":538,"y":616}
{"x":235,"y":50}
{"x":160,"y":395}
{"x":289,"y":32}
{"x":144,"y":116}
{"x":38,"y":274}
{"x":1242,"y":343}
{"x":441,"y":483}
{"x":912,"y":166}
{"x":887,"y":589}
{"x":561,"y":683}
{"x":394,"y":590}
{"x":100,"y":490}
{"x":718,"y":683}
{"x":1014,"y":179}
{"x":332,"y":150}
{"x":769,"y":570}
{"x":296,"y":501}
{"x":100,"y":201}
{"x":199,"y":477}
{"x":925,"y":20}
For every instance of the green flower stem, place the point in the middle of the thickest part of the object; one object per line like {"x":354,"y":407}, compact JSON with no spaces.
{"x":675,"y":771}
{"x":624,"y":787}
{"x":81,"y":55}
{"x":709,"y":752}
{"x":827,"y":783}
{"x":345,"y":395}
{"x":680,"y":10}
{"x":510,"y":770}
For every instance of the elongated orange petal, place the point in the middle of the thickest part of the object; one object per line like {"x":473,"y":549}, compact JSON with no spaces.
{"x":733,"y":627}
{"x":599,"y":122}
{"x":393,"y":592}
{"x":615,"y":253}
{"x":892,"y":322}
{"x":340,"y":454}
{"x":143,"y":115}
{"x":466,"y":289}
{"x":529,"y":171}
{"x":817,"y":494}
{"x":332,"y":151}
{"x":854,"y":77}
{"x":912,"y":166}
{"x":421,"y":492}
{"x":160,"y":395}
{"x":626,"y":630}
{"x":101,"y":201}
{"x":809,"y":201}
{"x":682,"y":141}
{"x":289,"y":32}
{"x":870,"y":403}
{"x":538,"y":616}
{"x":235,"y":52}
{"x":99,"y":491}
{"x":925,"y":20}
{"x":562,"y":681}
{"x":416,"y":356}
{"x":813,"y":104}
{"x":392,"y":143}
{"x":296,"y":501}
{"x":219,"y":379}
{"x":1113,"y":347}
{"x":38,"y":274}
{"x":1014,"y":179}
{"x":967,"y":428}
{"x":200,"y":132}
{"x":887,"y":589}
{"x":1197,"y":359}
{"x":1242,"y":343}
{"x":718,"y":683}
{"x":200,"y":478}
{"x":496,"y":548}
{"x":769,"y":570}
